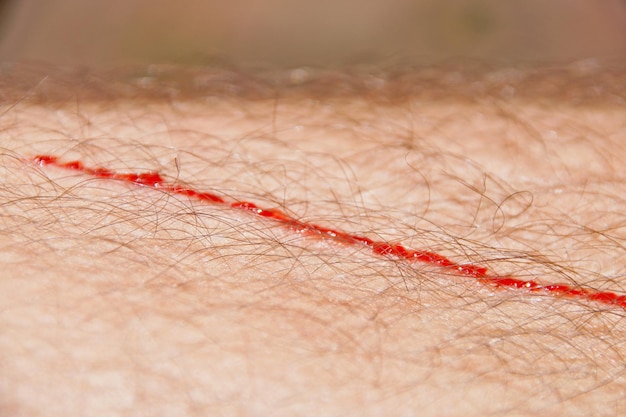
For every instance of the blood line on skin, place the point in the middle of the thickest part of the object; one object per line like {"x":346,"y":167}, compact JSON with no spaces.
{"x":153,"y":179}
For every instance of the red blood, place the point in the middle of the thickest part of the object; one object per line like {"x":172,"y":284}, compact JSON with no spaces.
{"x":574,"y":292}
{"x":75,"y":165}
{"x":151,"y":179}
{"x":301,"y":228}
{"x":561,"y":289}
{"x":364,"y":240}
{"x":325,"y":231}
{"x":187,"y":192}
{"x":245,"y":205}
{"x":380,"y":248}
{"x":126,"y":177}
{"x":402,"y":252}
{"x":273,"y":214}
{"x":103,"y":173}
{"x":473,"y":270}
{"x":336,"y":235}
{"x":209,"y":197}
{"x":45,"y":159}
{"x":606,"y":297}
{"x":511,"y":282}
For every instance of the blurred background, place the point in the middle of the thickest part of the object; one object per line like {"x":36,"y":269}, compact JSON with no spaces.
{"x":311,"y":32}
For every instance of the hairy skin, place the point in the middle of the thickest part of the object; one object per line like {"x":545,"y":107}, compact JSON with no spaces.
{"x":117,"y":300}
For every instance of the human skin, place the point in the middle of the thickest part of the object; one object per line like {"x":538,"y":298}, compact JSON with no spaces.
{"x":123,"y":300}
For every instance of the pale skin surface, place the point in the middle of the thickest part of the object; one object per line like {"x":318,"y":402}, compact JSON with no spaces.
{"x":116,"y":300}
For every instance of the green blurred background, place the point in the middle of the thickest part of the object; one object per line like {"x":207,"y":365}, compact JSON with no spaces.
{"x":306,"y":32}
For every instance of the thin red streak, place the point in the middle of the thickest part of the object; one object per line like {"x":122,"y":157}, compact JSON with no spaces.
{"x":479,"y":273}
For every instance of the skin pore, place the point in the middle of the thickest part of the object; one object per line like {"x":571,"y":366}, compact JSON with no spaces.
{"x":121,"y":300}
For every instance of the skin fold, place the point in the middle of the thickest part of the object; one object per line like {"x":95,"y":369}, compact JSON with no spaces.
{"x":121,"y":300}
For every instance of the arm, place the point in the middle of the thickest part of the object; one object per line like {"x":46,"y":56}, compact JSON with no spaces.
{"x":127,"y":300}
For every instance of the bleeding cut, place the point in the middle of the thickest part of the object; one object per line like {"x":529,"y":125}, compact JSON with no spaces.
{"x":475,"y":272}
